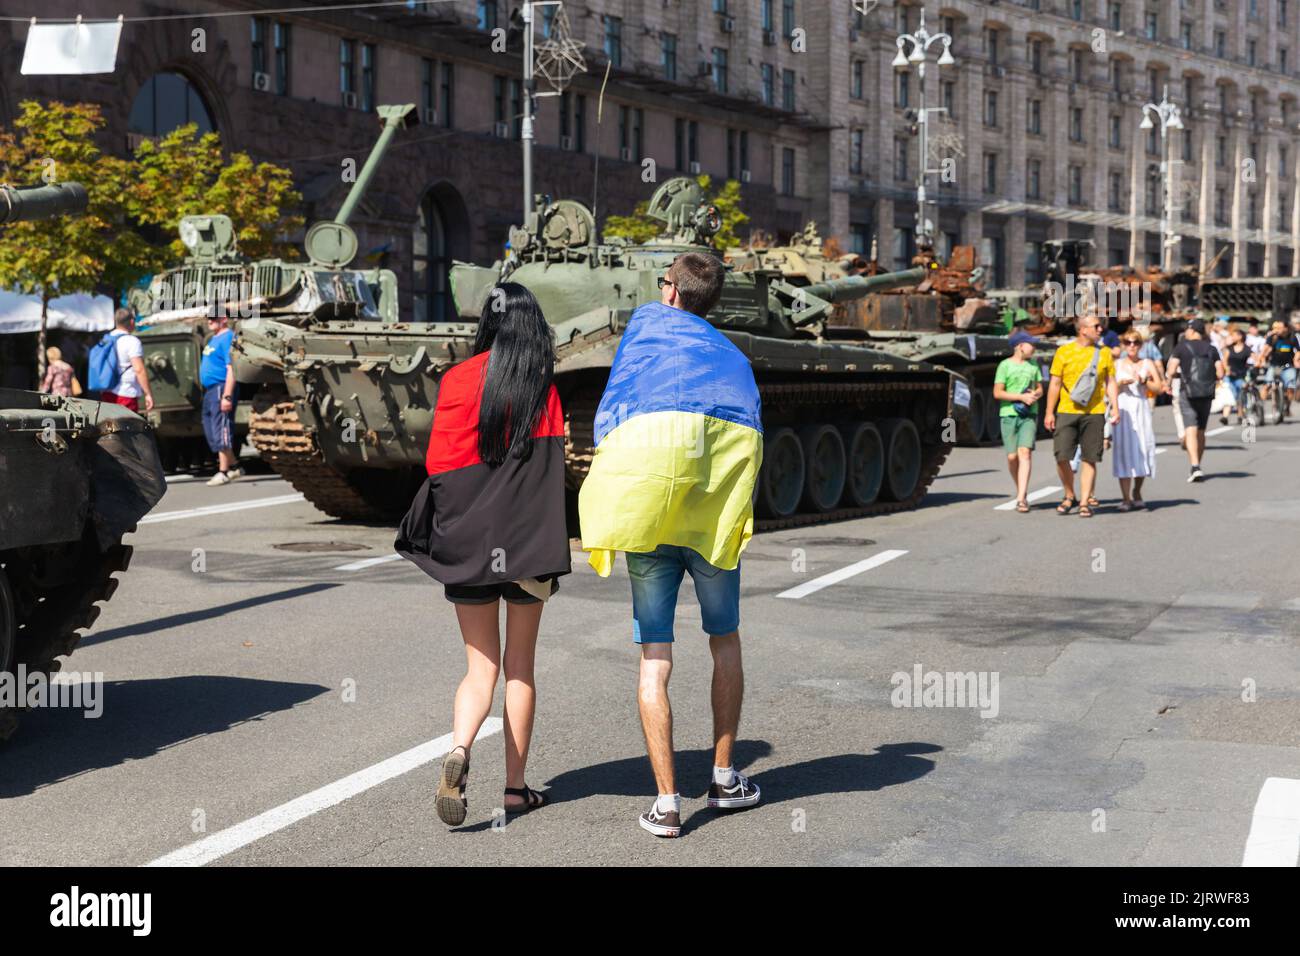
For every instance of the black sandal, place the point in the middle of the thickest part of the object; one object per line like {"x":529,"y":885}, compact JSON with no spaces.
{"x":533,"y":800}
{"x":1066,"y":506}
{"x":452,"y":780}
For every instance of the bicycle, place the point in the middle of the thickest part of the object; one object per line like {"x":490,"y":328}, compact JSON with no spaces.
{"x":1250,"y":406}
{"x":1281,"y":400}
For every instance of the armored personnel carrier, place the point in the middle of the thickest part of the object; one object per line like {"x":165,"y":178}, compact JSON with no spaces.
{"x":850,"y":429}
{"x":272,"y":303}
{"x":75,"y":476}
{"x":941,"y":316}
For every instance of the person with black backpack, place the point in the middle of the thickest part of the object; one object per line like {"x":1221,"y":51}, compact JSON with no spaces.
{"x":1199,"y":365}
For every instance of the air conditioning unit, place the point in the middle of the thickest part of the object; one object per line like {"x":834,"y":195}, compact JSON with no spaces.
{"x":350,"y":100}
{"x":625,"y":154}
{"x":261,"y":81}
{"x":429,"y":116}
{"x":745,"y":176}
{"x":769,"y":38}
{"x":728,"y":25}
{"x":501,"y":130}
{"x":566,"y":142}
{"x":695,"y":168}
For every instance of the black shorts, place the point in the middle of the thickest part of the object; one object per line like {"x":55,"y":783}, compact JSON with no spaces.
{"x":1195,"y":411}
{"x":488,"y":593}
{"x":1085,"y":432}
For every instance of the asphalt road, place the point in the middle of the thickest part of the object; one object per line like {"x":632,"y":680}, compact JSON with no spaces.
{"x":273,"y":705}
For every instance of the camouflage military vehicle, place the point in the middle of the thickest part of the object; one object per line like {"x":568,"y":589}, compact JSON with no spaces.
{"x":1259,"y":299}
{"x":75,"y":476}
{"x":941,"y":317}
{"x":849,"y":429}
{"x":267,"y":300}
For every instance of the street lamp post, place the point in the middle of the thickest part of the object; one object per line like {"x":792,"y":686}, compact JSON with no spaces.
{"x":921,"y":41}
{"x":1168,"y":116}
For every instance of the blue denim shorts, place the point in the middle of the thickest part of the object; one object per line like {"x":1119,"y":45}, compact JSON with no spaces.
{"x":218,"y":426}
{"x":657,"y":577}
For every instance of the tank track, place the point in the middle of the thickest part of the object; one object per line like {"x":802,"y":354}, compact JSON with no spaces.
{"x":580,"y":414}
{"x":51,"y":614}
{"x":282,"y":440}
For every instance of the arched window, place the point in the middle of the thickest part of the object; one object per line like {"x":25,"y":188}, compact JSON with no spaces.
{"x":431,"y":264}
{"x":166,"y":101}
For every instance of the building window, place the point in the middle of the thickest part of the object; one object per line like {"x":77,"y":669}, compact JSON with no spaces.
{"x":1033,"y":179}
{"x":1220,"y":207}
{"x":1116,"y":76}
{"x":1185,"y":35}
{"x":1076,"y":185}
{"x":720,"y":69}
{"x":446,"y":97}
{"x":731,"y":154}
{"x":517,"y":107}
{"x":280,"y":38}
{"x":580,"y":123}
{"x":902,"y":89}
{"x":679,"y":143}
{"x":1076,"y":9}
{"x":368,"y":77}
{"x":1117,"y":16}
{"x":548,"y":20}
{"x":787,"y":19}
{"x":500,"y":111}
{"x":1250,"y":52}
{"x":1034,"y":117}
{"x":431,"y":265}
{"x":787,"y":171}
{"x":787,"y":90}
{"x":1153,"y":142}
{"x":948,"y":97}
{"x":719,"y":6}
{"x":668,"y":53}
{"x":769,"y":84}
{"x":1076,"y":65}
{"x":991,"y":45}
{"x":990,"y":172}
{"x":1116,"y":191}
{"x":428,"y":91}
{"x":614,"y":40}
{"x":991,"y":108}
{"x":165,"y":102}
{"x":1116,"y":131}
{"x":347,"y":66}
{"x":855,"y":152}
{"x":1221,"y":152}
{"x":1153,"y":26}
{"x":693,"y":142}
{"x":744,"y":151}
{"x":1220,"y":44}
{"x":1187,"y":145}
{"x":855,"y":80}
{"x":1076,"y":124}
{"x":487,"y":14}
{"x":900,"y":160}
{"x":765,"y":15}
{"x":258,"y":48}
{"x":1036,"y":56}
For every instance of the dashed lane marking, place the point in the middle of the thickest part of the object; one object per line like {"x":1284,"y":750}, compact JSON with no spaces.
{"x":368,"y":563}
{"x":843,"y":574}
{"x":1032,"y":496}
{"x":1275,"y":826}
{"x":220,"y":509}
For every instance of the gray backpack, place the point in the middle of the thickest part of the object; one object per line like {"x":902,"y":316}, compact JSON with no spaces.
{"x":1081,"y":393}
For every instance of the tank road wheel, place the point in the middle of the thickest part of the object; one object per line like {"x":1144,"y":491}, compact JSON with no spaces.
{"x":866,"y":465}
{"x":992,"y":411}
{"x":823,"y":451}
{"x":973,"y":433}
{"x":780,"y":484}
{"x":902,"y":459}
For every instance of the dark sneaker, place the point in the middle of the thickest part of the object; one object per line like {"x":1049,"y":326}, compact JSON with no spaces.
{"x":740,"y":794}
{"x":661,"y":824}
{"x":1196,"y":475}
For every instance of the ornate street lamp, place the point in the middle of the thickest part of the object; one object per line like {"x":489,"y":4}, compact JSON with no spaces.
{"x":1168,"y":116}
{"x":920,"y":43}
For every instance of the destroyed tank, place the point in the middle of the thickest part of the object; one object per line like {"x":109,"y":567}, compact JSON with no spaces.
{"x":850,"y":429}
{"x":75,"y":476}
{"x":942,"y":317}
{"x":262,"y":299}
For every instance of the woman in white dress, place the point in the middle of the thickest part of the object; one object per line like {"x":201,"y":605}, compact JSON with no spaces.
{"x":1134,"y":446}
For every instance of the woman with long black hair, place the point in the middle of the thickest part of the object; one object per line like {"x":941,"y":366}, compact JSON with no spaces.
{"x":489,"y":524}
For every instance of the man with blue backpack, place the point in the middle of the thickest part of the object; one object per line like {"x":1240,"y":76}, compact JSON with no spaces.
{"x":117,"y":369}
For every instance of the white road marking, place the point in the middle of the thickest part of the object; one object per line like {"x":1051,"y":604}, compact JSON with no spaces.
{"x":1275,"y":827}
{"x":368,"y":563}
{"x":1219,"y":431}
{"x":1161,"y":451}
{"x":1032,"y":496}
{"x":220,"y":509}
{"x":843,"y":574}
{"x":214,"y":847}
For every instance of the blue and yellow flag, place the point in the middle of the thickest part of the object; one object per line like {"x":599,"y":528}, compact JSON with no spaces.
{"x":679,"y":441}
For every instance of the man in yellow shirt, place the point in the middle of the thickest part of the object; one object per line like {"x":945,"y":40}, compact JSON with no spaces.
{"x":1079,"y":421}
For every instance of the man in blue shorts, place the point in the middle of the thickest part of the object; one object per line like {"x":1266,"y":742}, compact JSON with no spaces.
{"x":217,"y":376}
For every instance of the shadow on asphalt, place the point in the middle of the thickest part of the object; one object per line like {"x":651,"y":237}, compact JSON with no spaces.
{"x":890,"y":765}
{"x":139,"y":718}
{"x":934,"y":498}
{"x":191,"y":617}
{"x":1213,"y":475}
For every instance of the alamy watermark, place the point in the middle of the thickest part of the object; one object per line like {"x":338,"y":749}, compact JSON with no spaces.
{"x":1089,"y":296}
{"x":66,"y":689}
{"x":962,"y":689}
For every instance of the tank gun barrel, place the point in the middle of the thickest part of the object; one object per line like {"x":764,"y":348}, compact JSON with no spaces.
{"x":855,"y":287}
{"x":23,"y":204}
{"x":395,"y":118}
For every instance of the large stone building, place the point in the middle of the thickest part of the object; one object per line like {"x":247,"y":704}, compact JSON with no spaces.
{"x":798,"y":99}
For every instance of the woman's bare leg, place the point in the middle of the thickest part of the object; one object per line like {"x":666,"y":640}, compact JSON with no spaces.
{"x":522,"y":621}
{"x":480,"y":628}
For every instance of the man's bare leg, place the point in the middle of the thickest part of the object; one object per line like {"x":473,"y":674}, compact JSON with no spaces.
{"x":1066,"y":474}
{"x":657,"y":712}
{"x":728,"y":692}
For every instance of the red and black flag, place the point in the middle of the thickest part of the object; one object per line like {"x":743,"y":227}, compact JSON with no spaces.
{"x":472,"y":523}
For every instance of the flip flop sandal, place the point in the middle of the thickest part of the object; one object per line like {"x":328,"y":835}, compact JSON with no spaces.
{"x":1066,"y":506}
{"x":452,"y":780}
{"x":533,"y":800}
{"x":1085,"y":511}
{"x":1094,"y":503}
{"x":1022,"y":507}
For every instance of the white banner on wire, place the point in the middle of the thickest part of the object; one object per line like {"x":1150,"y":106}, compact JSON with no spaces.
{"x":72,"y":48}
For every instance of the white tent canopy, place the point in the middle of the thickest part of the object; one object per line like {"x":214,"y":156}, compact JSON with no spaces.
{"x":76,"y":313}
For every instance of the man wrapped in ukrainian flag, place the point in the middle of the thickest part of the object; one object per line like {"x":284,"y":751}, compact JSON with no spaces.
{"x":679,"y":442}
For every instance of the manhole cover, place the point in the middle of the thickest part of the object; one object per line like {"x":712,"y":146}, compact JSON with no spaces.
{"x":312,"y":546}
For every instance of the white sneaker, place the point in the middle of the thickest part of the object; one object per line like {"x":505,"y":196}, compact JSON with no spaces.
{"x":220,"y":478}
{"x":235,"y":472}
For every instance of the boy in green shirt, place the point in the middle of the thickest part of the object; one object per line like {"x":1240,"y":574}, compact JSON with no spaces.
{"x":1018,"y":386}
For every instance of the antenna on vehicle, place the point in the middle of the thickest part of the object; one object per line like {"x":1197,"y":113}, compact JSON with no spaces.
{"x":600,"y":109}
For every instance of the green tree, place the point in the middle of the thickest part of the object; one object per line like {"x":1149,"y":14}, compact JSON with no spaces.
{"x":641,"y":227}
{"x":108,"y":247}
